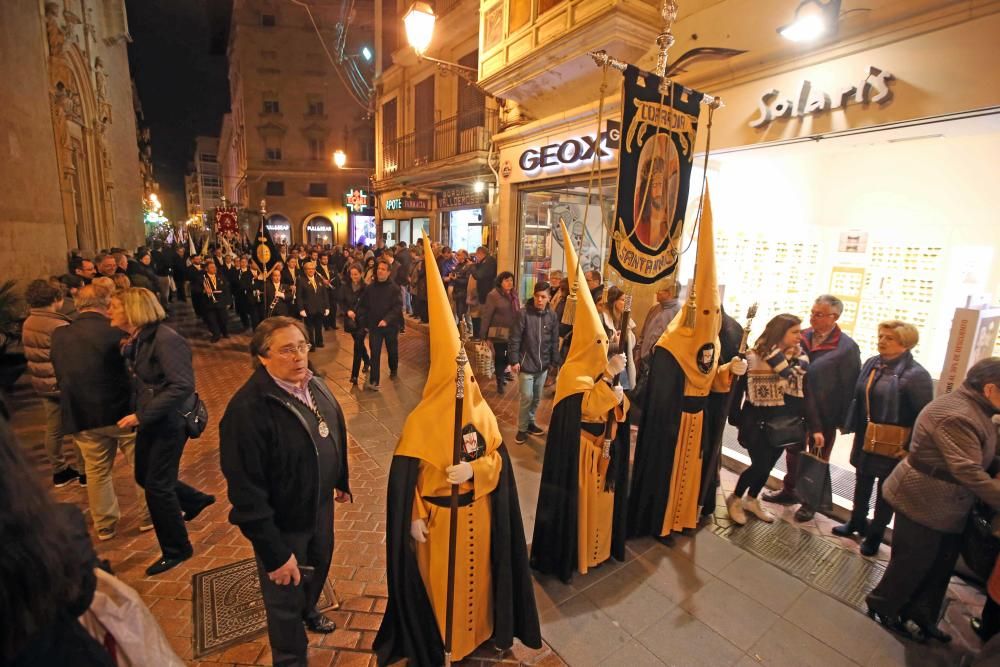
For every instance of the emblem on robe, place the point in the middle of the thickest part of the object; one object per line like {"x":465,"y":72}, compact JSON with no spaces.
{"x":706,"y":357}
{"x":473,"y":443}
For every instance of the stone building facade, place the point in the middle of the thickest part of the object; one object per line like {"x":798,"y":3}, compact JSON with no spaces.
{"x":69,"y":164}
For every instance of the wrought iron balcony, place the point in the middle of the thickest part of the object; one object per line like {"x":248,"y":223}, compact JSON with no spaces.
{"x":460,"y":136}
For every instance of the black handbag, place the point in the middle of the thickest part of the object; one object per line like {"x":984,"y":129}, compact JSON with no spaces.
{"x":195,"y":416}
{"x":783,"y":431}
{"x":980,"y":547}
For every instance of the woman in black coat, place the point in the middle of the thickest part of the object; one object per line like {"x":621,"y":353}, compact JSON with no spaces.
{"x":46,"y":572}
{"x":891,"y":391}
{"x":159,"y":361}
{"x":349,"y":297}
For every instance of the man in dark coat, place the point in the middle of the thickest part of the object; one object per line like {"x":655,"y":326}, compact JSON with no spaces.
{"x":195,"y":275}
{"x":95,"y":393}
{"x":242,"y":283}
{"x":283,"y":450}
{"x":331,"y":281}
{"x":312,"y":299}
{"x":486,"y":273}
{"x":834,"y":364}
{"x":178,"y":269}
{"x":382,"y":314}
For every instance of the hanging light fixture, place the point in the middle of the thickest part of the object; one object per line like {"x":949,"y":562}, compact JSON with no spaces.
{"x":419,"y":24}
{"x":813,"y":19}
{"x":339,"y":158}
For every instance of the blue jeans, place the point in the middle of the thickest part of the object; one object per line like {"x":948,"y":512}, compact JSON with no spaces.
{"x":531,"y":386}
{"x":407,"y":301}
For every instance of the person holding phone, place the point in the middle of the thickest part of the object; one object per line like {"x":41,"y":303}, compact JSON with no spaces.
{"x":283,"y":450}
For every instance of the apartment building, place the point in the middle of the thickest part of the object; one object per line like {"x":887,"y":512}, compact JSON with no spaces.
{"x":203,"y":180}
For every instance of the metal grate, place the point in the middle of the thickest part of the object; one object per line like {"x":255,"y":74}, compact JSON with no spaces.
{"x":819,"y":563}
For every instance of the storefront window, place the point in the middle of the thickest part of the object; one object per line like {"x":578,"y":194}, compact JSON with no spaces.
{"x":363,"y":229}
{"x":280,"y":228}
{"x":319,"y":230}
{"x":420,"y":227}
{"x":465,"y":229}
{"x":390,"y":233}
{"x":541,"y":238}
{"x":404,"y":232}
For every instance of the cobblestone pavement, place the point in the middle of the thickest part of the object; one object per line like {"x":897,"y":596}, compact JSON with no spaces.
{"x":702,"y":602}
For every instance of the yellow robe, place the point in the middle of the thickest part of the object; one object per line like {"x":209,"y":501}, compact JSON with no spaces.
{"x":685,"y":478}
{"x":473,"y":621}
{"x":595,"y":506}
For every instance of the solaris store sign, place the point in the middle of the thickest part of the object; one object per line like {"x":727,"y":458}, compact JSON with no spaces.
{"x":809,"y":100}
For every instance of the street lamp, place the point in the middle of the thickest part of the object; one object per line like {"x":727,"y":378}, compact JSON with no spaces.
{"x":339,"y":158}
{"x":813,"y":19}
{"x":419,"y":23}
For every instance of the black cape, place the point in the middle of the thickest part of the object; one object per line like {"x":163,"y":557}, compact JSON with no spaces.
{"x":409,"y":629}
{"x":554,"y":543}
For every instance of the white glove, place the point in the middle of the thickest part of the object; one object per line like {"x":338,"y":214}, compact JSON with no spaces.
{"x":616,"y":365}
{"x":738,"y":366}
{"x":418,"y":530}
{"x":459,"y":473}
{"x":619,"y":393}
{"x":302,"y":313}
{"x":326,"y":312}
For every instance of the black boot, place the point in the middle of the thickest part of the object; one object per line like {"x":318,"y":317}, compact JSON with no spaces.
{"x":859,"y":526}
{"x":500,"y":385}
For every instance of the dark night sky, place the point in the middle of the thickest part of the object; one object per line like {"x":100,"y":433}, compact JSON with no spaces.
{"x":178,"y":60}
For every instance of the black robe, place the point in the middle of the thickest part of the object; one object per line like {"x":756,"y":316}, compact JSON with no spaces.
{"x":409,"y":627}
{"x":716,"y":413}
{"x":554,"y":543}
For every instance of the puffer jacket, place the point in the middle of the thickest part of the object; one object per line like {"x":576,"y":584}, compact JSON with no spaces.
{"x":955,"y":438}
{"x":37,"y":338}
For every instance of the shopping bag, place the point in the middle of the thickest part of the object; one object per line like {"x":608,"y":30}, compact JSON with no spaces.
{"x":484,"y":361}
{"x":119,"y":620}
{"x":813,"y":485}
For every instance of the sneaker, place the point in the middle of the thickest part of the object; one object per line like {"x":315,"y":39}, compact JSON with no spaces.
{"x":521,"y":437}
{"x":752,"y":505}
{"x":105,"y":534}
{"x":146,"y":524}
{"x":734,"y":506}
{"x":534,"y":430}
{"x":64,"y":477}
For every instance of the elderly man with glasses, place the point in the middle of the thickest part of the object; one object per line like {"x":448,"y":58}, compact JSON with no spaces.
{"x":283,"y":448}
{"x":834,"y":364}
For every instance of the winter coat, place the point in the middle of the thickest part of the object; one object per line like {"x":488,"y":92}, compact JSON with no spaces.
{"x":954,"y":438}
{"x":93,"y":382}
{"x":349,"y":299}
{"x":833,"y":369}
{"x":900,"y":391}
{"x":486,"y":276}
{"x":162,"y":375}
{"x":500,"y":310}
{"x":36,"y":335}
{"x":381,"y":301}
{"x":534,"y":339}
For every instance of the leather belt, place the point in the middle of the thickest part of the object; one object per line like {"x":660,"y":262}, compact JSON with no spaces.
{"x":464,"y":500}
{"x":937,"y":472}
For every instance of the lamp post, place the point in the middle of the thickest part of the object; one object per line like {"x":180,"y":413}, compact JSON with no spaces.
{"x":419,"y":23}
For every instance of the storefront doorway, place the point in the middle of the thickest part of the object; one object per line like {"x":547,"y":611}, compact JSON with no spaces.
{"x":319,"y":230}
{"x":465,"y":229}
{"x":280,"y":228}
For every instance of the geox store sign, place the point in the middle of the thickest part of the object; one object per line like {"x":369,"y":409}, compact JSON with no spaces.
{"x":573,"y":151}
{"x":808,"y":100}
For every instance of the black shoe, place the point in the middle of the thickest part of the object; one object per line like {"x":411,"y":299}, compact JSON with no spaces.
{"x":500,"y":388}
{"x":164,"y":564}
{"x":782,"y":497}
{"x":521,"y":437}
{"x":214,"y":339}
{"x":64,"y":477}
{"x":354,"y":379}
{"x":804,"y":514}
{"x":871,"y":543}
{"x":83,"y":481}
{"x":320,"y":344}
{"x":849,"y":528}
{"x":393,"y":375}
{"x":193,"y":514}
{"x":320,"y":623}
{"x":534,"y":430}
{"x":906,"y":629}
{"x":935,"y":633}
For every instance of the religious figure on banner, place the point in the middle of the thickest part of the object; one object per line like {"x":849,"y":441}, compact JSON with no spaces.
{"x":654,"y":173}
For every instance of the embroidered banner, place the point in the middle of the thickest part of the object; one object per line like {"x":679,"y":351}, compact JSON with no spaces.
{"x":654,"y":175}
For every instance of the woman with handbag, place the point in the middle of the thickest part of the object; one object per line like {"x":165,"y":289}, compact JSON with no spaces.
{"x":891,"y":391}
{"x":349,"y":296}
{"x":499,"y":313}
{"x":773,"y":411}
{"x":159,"y":362}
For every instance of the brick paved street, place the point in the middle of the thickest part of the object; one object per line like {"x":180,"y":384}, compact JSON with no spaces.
{"x":703,"y":602}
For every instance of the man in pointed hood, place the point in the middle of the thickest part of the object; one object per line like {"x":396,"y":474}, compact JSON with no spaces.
{"x":493,"y":596}
{"x":580,"y":518}
{"x":684,"y":371}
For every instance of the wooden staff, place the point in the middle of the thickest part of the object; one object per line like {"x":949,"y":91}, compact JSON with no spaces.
{"x":456,"y":456}
{"x":716,"y":452}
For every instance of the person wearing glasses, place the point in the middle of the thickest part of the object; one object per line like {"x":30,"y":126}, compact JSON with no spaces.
{"x":834,"y":364}
{"x":283,"y":450}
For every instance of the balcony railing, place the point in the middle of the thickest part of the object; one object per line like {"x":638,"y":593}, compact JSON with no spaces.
{"x":468,"y":132}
